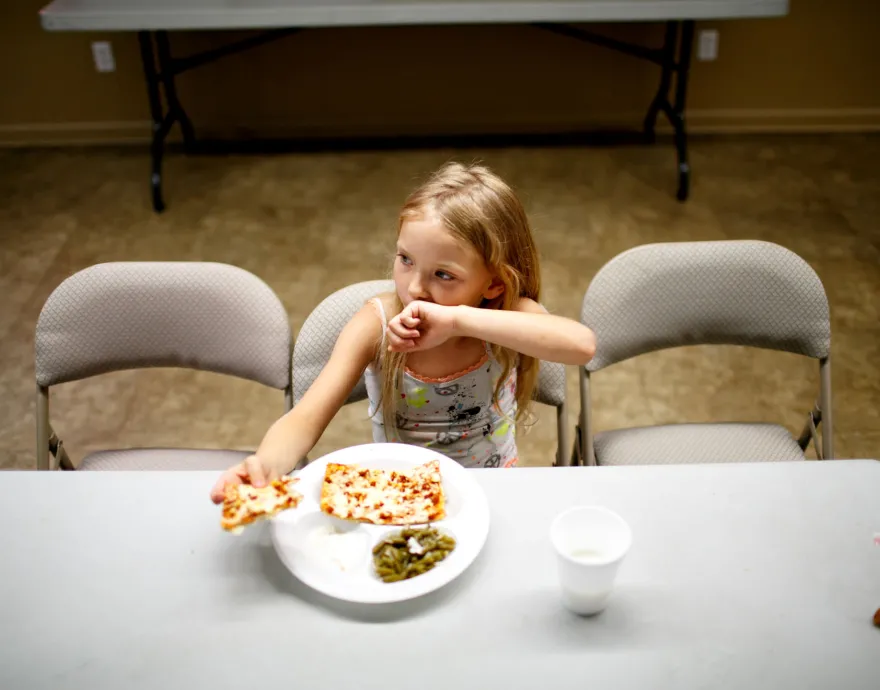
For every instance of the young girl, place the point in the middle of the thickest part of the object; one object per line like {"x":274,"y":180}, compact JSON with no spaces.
{"x":451,"y":357}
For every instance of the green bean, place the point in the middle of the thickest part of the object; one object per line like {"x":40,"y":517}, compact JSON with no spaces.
{"x":393,"y":561}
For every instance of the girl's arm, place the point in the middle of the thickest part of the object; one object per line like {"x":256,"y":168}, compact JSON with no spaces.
{"x":529,"y":330}
{"x":292,"y":436}
{"x":296,"y":433}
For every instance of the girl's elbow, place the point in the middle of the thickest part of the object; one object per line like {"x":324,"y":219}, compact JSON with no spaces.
{"x":586,"y":348}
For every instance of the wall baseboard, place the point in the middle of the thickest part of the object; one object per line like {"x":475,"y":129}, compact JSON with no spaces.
{"x":74,"y":133}
{"x":783,"y":121}
{"x":728,"y":121}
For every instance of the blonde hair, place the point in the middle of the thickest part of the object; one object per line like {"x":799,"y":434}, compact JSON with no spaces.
{"x":479,"y":208}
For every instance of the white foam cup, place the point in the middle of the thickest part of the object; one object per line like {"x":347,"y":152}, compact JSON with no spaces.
{"x":590,"y":543}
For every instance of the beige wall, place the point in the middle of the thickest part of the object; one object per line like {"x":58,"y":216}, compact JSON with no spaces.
{"x":815,"y":70}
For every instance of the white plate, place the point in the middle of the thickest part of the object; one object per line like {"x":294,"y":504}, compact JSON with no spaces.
{"x":348,"y":574}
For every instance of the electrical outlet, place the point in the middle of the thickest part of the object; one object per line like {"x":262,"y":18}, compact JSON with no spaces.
{"x":102,"y":52}
{"x":707,"y":49}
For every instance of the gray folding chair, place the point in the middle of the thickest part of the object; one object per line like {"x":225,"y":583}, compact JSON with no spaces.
{"x":132,"y":315}
{"x":674,"y":294}
{"x":316,"y":339}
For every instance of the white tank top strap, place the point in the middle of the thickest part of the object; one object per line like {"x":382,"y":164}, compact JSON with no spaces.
{"x":377,"y":301}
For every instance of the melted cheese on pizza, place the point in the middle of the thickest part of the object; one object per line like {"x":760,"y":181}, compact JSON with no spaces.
{"x":384,"y":497}
{"x":244,"y":504}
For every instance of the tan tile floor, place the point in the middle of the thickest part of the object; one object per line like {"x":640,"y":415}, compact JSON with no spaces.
{"x":311,"y":223}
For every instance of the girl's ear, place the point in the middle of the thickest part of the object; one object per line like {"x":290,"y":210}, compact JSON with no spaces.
{"x":494,"y":290}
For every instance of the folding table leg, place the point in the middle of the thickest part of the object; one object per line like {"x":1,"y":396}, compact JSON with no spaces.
{"x":160,"y":70}
{"x":667,"y":67}
{"x":684,"y":62}
{"x":159,"y":126}
{"x":168,"y":70}
{"x":675,"y":58}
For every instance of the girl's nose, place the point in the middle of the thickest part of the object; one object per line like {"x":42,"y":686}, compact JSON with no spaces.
{"x":416,"y":289}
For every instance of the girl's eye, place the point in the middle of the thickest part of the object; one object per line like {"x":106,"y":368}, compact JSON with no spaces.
{"x":443,"y":275}
{"x":404,"y":259}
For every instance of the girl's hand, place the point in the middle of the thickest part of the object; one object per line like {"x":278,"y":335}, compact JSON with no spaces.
{"x":421,"y":326}
{"x":252,"y":471}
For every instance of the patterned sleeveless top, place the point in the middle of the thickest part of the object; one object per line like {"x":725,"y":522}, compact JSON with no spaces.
{"x":453,"y":415}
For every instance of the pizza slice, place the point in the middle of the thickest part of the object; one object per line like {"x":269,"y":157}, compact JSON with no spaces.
{"x":384,"y":497}
{"x":244,"y":504}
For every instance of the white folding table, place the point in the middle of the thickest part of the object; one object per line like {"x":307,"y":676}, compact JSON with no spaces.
{"x":740,"y":576}
{"x":153,"y":19}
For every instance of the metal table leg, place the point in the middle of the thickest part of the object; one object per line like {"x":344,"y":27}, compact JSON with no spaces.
{"x":667,"y":67}
{"x":160,"y":71}
{"x":159,"y":129}
{"x":678,"y":123}
{"x":168,"y":71}
{"x":676,"y":57}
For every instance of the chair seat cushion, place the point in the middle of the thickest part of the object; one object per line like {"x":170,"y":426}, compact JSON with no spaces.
{"x":163,"y":459}
{"x":696,"y":443}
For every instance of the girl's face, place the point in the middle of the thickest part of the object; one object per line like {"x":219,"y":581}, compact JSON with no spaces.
{"x":433,"y":266}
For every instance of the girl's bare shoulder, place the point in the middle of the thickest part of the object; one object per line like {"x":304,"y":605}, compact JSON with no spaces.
{"x":388,"y":301}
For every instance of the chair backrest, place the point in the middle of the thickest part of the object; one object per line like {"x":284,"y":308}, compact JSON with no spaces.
{"x":131,"y":315}
{"x":318,"y":335}
{"x":315,"y":341}
{"x":739,"y":292}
